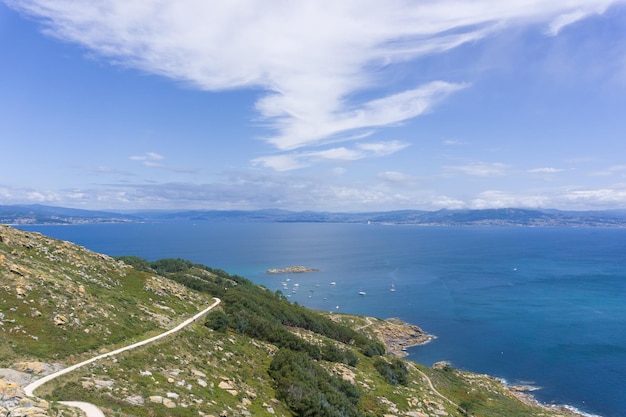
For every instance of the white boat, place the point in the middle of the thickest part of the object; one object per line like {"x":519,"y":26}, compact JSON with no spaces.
{"x":393,"y":288}
{"x":333,"y":283}
{"x":361,"y":292}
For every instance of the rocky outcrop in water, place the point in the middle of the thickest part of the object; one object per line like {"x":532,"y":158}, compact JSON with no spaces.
{"x":291,"y":270}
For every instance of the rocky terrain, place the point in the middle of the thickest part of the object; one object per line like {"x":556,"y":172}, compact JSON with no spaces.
{"x":61,"y":304}
{"x":398,"y":336}
{"x":291,"y":270}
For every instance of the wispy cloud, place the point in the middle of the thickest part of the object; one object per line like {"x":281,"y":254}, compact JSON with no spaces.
{"x":20,"y":195}
{"x":479,"y":169}
{"x":573,"y":16}
{"x":310,"y":58}
{"x":254,"y":189}
{"x":452,"y":142}
{"x":103,"y":170}
{"x":397,"y":179}
{"x":606,"y":197}
{"x":503,"y":199}
{"x":295,"y":160}
{"x":149,"y":159}
{"x":546,"y":170}
{"x":328,"y":126}
{"x":612,"y":170}
{"x":152,"y":160}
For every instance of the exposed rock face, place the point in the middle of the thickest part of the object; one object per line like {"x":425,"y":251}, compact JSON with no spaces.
{"x":291,"y":270}
{"x":13,"y":401}
{"x":397,"y":336}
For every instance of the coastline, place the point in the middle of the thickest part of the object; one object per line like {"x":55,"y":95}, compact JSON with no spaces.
{"x":522,"y":393}
{"x":397,"y":336}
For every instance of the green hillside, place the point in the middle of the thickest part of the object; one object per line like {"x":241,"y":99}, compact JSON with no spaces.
{"x":255,"y":354}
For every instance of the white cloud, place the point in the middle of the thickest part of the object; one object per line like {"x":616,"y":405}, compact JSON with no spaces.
{"x":502,"y":199}
{"x":597,"y":198}
{"x":445,"y":202}
{"x":151,"y":160}
{"x":575,"y":15}
{"x":567,"y":199}
{"x":295,"y":160}
{"x":479,"y":169}
{"x":394,"y":177}
{"x":609,"y":171}
{"x":545,"y":170}
{"x":296,"y":132}
{"x":103,"y":170}
{"x":24,"y":195}
{"x":398,"y":180}
{"x":310,"y":58}
{"x":451,"y":142}
{"x":148,"y":157}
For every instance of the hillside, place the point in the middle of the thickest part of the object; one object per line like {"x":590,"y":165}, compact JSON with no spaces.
{"x":256,"y":355}
{"x":39,"y":214}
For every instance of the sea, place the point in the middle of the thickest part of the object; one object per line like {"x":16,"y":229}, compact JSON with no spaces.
{"x":540,"y":306}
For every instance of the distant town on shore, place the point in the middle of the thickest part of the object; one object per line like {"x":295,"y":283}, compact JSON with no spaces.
{"x":42,"y":214}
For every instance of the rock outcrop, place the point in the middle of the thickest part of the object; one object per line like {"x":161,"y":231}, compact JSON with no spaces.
{"x":291,"y":270}
{"x":397,"y":336}
{"x":13,"y":399}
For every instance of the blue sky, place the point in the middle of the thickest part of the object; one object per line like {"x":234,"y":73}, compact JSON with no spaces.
{"x":313,"y":105}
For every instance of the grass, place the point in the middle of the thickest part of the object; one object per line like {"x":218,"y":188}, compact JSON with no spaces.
{"x":108,"y":306}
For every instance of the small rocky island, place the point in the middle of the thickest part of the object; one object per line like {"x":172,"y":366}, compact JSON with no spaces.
{"x":291,"y":270}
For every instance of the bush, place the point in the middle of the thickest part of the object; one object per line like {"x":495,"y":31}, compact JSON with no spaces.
{"x":309,"y":390}
{"x":217,"y":320}
{"x":394,"y":373}
{"x":332,"y":353}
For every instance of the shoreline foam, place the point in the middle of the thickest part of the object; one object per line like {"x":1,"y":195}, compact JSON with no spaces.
{"x":397,"y":341}
{"x":522,"y":393}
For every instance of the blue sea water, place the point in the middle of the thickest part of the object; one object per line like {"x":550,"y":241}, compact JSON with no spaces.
{"x":540,"y":306}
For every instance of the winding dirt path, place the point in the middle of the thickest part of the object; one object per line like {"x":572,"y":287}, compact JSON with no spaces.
{"x":369,"y":323}
{"x":432,"y":387}
{"x":90,"y":409}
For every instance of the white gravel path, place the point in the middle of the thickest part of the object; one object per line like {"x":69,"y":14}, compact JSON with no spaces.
{"x":90,"y":409}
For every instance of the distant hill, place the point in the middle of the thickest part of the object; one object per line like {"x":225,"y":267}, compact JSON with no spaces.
{"x":40,"y":214}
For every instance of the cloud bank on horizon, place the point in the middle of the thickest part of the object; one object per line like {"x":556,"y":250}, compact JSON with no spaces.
{"x":323,"y":69}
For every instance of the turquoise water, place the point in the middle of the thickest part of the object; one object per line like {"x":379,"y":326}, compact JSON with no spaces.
{"x":542,"y":306}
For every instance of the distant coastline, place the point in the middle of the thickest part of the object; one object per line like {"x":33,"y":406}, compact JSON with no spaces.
{"x":25,"y":215}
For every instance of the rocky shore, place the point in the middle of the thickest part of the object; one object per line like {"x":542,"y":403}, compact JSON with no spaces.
{"x":398,"y":336}
{"x":291,"y":270}
{"x":523,"y":393}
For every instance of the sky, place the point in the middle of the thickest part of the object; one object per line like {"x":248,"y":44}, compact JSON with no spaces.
{"x":325,"y":105}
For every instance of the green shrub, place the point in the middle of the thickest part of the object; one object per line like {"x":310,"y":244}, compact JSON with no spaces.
{"x":218,"y":321}
{"x":309,"y":390}
{"x":394,"y":372}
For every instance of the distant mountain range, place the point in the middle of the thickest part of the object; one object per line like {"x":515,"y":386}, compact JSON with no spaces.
{"x":41,"y":214}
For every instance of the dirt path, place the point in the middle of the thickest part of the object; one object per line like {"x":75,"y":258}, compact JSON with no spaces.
{"x":90,"y":409}
{"x":432,"y":387}
{"x":369,"y":323}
